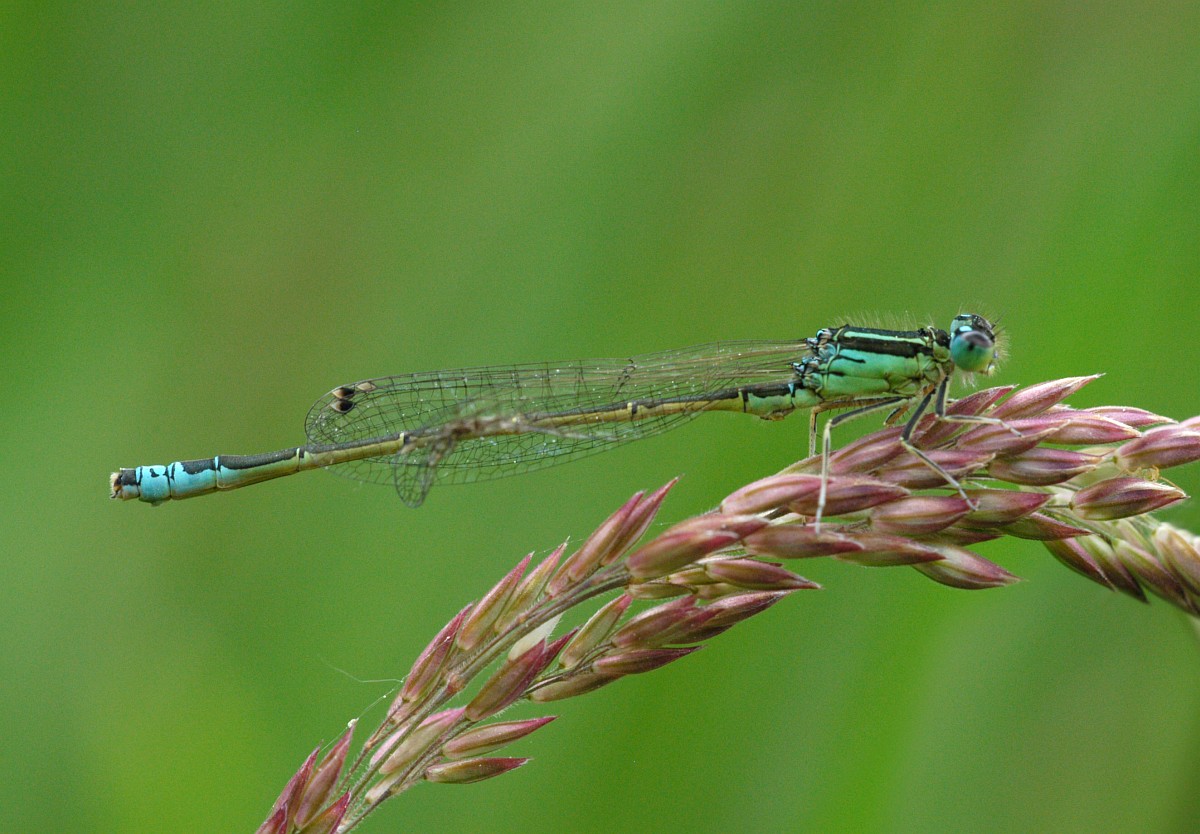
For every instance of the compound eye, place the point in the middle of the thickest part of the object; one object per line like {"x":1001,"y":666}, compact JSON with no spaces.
{"x":972,"y":350}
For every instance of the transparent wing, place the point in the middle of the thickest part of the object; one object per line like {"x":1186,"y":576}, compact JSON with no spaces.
{"x":387,"y":406}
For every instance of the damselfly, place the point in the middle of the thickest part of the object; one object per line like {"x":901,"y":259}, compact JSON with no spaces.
{"x":474,"y":424}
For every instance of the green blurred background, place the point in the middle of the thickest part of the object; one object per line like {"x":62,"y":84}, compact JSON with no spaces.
{"x":213,"y":213}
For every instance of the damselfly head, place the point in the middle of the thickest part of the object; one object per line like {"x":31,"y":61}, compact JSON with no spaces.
{"x":973,"y":344}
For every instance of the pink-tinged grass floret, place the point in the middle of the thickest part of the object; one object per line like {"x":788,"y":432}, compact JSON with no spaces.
{"x":692,"y":581}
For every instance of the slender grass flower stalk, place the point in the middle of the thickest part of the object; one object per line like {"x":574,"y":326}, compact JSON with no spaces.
{"x":1083,"y":482}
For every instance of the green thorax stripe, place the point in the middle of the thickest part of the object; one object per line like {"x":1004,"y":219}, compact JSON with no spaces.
{"x":904,"y":343}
